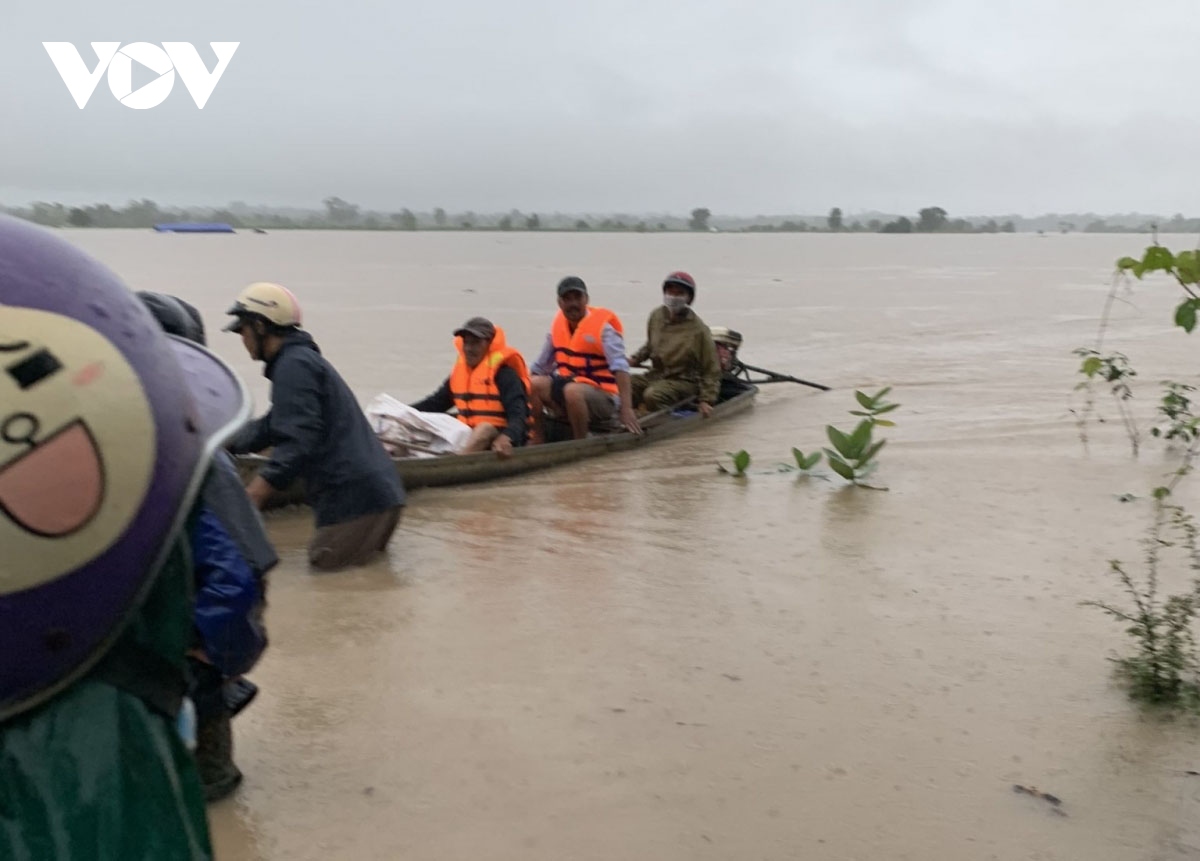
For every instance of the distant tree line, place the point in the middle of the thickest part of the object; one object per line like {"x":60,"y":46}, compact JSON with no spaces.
{"x":339,"y":214}
{"x":1175,"y":224}
{"x":933,"y":219}
{"x":336,"y":214}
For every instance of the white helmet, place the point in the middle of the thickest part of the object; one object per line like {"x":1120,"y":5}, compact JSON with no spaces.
{"x":728,"y":337}
{"x":273,"y":303}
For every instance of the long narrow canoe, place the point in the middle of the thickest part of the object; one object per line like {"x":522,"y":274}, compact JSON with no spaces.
{"x":469,"y":468}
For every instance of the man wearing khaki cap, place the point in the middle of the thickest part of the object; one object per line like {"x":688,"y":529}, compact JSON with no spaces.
{"x":489,"y":386}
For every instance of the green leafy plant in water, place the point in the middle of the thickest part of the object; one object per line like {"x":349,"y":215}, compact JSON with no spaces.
{"x":740,"y":460}
{"x":1093,"y":359}
{"x":1163,"y":669}
{"x":1184,"y":267}
{"x":805,"y":462}
{"x":1178,"y":421}
{"x":853,"y":454}
{"x":1115,"y":370}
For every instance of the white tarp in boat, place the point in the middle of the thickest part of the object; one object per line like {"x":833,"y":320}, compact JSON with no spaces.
{"x":406,"y":432}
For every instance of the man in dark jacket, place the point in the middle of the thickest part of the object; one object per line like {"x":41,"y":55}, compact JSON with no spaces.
{"x":316,"y":431}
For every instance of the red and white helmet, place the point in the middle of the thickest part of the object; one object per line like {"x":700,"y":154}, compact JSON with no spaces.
{"x":682,"y":279}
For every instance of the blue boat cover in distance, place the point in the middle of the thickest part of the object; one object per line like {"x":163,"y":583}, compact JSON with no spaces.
{"x":194,"y":227}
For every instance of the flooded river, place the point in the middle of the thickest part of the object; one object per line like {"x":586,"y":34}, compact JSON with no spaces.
{"x":640,"y":657}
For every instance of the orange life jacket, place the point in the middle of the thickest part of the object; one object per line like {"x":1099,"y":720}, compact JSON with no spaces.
{"x":581,"y":353}
{"x":474,"y":389}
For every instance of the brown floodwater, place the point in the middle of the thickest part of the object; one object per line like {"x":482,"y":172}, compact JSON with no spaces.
{"x":641,"y":657}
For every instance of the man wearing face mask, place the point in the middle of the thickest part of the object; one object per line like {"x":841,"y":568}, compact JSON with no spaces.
{"x":681,"y":352}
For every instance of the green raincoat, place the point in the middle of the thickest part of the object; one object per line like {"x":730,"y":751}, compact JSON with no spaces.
{"x":94,"y":774}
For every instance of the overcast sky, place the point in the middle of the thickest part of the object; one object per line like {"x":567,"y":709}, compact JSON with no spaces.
{"x":764,"y":106}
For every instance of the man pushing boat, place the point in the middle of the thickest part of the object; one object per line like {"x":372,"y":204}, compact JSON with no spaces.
{"x":316,"y":431}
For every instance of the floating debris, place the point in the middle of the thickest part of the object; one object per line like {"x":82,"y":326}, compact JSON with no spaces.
{"x":1053,"y":800}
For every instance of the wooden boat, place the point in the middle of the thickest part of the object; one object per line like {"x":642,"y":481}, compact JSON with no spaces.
{"x":455,"y":469}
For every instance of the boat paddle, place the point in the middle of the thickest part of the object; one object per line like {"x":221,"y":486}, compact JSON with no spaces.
{"x":774,"y":377}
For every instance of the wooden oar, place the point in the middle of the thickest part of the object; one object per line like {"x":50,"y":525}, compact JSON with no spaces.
{"x":774,"y":377}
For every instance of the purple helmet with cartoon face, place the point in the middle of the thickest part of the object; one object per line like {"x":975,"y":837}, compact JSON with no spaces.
{"x":107,"y":426}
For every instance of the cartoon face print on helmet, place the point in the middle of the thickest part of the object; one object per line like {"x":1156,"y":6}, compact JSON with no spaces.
{"x":107,"y":427}
{"x":77,"y":446}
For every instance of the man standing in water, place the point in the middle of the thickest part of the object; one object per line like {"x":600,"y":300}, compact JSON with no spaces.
{"x":316,"y":431}
{"x":681,"y":351}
